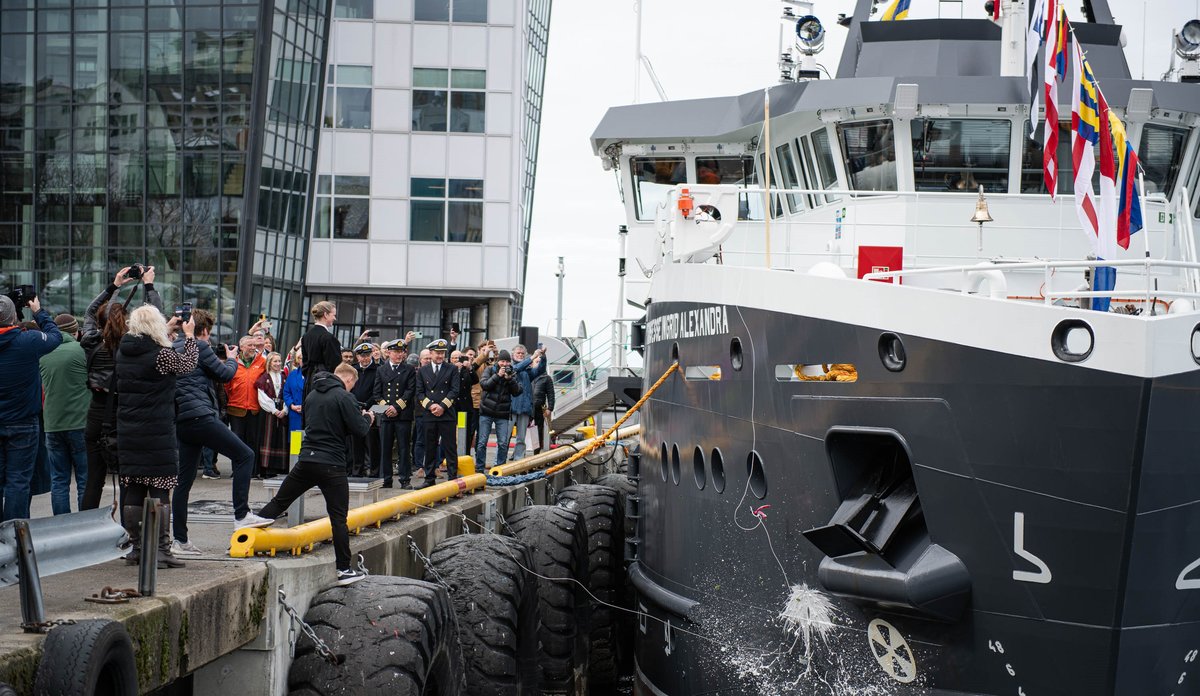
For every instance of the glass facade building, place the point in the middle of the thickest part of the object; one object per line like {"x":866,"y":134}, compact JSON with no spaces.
{"x":177,"y":134}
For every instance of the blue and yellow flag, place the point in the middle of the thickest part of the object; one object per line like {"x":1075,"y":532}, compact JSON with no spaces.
{"x":898,"y":10}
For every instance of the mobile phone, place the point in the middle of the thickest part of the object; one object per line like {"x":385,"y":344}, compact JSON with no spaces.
{"x":418,"y":334}
{"x":454,"y":327}
{"x":373,"y":333}
{"x":262,"y":317}
{"x":184,"y":312}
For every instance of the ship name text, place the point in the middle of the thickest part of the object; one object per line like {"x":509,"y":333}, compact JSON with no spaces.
{"x":690,"y":323}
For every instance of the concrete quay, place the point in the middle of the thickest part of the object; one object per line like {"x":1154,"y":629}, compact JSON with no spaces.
{"x":219,"y":621}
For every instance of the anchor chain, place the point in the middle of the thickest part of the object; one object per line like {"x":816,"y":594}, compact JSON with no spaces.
{"x":428,"y":564}
{"x":323,"y":648}
{"x":111,"y":595}
{"x":44,"y":626}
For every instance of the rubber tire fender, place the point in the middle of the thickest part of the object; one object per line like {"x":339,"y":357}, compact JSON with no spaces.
{"x":87,"y":657}
{"x":603,"y":518}
{"x":625,"y":487}
{"x":557,"y":540}
{"x":496,"y":602}
{"x":6,"y":690}
{"x":393,"y":636}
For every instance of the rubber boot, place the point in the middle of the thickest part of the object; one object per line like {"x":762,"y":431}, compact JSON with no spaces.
{"x":131,"y":520}
{"x":165,"y":558}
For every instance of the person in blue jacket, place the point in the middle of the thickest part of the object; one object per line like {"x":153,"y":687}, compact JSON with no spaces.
{"x":527,"y":369}
{"x":21,"y":401}
{"x":293,"y":394}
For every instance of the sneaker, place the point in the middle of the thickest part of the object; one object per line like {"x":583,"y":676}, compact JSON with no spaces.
{"x":252,"y":520}
{"x":185,"y":548}
{"x":349,"y":577}
{"x":211,"y":475}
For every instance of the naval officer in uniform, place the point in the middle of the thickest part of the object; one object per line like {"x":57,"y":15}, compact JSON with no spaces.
{"x":395,"y":386}
{"x":437,"y":388}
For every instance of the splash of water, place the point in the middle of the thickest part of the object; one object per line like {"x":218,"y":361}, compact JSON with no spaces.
{"x":809,"y":614}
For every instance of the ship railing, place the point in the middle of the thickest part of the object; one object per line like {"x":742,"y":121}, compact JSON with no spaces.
{"x":867,"y":219}
{"x":606,"y":352}
{"x":1047,"y":268}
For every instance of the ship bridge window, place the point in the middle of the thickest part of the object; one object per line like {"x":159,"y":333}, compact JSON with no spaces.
{"x":791,"y":180}
{"x":960,"y":154}
{"x":653,"y":179}
{"x":825,"y":166}
{"x":1161,"y":153}
{"x":870,"y":152}
{"x":737,"y":171}
{"x":1032,"y":180}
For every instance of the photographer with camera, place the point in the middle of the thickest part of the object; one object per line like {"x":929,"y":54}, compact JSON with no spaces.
{"x":21,"y":398}
{"x":104,"y":323}
{"x":500,"y":386}
{"x":527,"y":369}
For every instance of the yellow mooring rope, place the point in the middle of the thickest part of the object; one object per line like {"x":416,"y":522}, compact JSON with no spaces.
{"x":608,"y":433}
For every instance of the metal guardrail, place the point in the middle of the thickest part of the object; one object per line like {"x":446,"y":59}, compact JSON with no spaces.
{"x":62,"y":543}
{"x":245,"y":543}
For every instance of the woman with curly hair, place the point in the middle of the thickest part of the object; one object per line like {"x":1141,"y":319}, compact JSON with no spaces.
{"x":147,"y":366}
{"x":103,"y":326}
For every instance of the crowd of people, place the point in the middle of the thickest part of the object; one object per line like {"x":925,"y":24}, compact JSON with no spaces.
{"x":147,"y":399}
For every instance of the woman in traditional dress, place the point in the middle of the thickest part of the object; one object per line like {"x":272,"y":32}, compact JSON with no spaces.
{"x":273,"y":453}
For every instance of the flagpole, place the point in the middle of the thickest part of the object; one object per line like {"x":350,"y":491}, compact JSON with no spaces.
{"x":1141,"y":206}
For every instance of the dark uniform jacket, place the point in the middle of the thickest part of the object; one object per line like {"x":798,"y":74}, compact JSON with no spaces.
{"x":364,"y":388}
{"x":396,"y":386}
{"x":441,"y":388}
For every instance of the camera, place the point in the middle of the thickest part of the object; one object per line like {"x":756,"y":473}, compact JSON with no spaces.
{"x":184,"y":312}
{"x":135,"y":271}
{"x":21,"y":295}
{"x":508,"y":371}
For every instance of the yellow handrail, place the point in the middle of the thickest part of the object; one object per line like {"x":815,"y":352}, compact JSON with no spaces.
{"x":245,"y":543}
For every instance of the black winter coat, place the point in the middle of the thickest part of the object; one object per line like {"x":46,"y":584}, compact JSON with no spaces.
{"x":498,"y":393}
{"x":543,"y":393}
{"x":196,"y":392}
{"x":99,"y":360}
{"x":467,"y":378}
{"x":330,"y":415}
{"x":146,"y":376}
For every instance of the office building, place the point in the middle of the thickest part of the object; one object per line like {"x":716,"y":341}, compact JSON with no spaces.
{"x":427,"y":162}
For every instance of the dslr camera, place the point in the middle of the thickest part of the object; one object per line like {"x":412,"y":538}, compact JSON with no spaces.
{"x":135,"y":271}
{"x":508,"y":371}
{"x":21,"y":295}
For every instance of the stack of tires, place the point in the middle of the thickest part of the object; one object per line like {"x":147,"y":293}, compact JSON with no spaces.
{"x":532,"y":612}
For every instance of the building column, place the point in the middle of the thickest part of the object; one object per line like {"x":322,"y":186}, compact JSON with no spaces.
{"x":499,"y":312}
{"x":479,"y":315}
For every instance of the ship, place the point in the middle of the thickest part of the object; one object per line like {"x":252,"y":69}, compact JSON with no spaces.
{"x":913,"y":442}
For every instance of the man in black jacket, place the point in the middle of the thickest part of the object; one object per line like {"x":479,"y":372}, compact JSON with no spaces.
{"x":437,"y":388}
{"x":500,"y":385}
{"x":332,"y":416}
{"x":543,"y":406}
{"x":322,"y":351}
{"x":395,"y":387}
{"x":365,"y":450}
{"x":198,"y":426}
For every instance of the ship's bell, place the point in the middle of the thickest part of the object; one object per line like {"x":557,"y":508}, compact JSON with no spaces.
{"x":981,"y":209}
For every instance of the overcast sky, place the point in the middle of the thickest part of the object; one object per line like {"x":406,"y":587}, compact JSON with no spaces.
{"x":701,"y":48}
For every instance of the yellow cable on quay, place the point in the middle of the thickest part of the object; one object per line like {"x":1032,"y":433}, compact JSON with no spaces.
{"x":608,"y":433}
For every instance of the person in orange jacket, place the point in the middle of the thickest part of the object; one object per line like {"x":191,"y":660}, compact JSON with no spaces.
{"x":243,"y":406}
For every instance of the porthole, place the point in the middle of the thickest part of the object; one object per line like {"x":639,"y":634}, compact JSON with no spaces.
{"x":698,"y":468}
{"x":891,"y":352}
{"x":735,"y":354}
{"x":758,"y":477}
{"x":718,"y":471}
{"x":1072,"y":340}
{"x":1196,"y":343}
{"x":662,"y":461}
{"x":674,"y":352}
{"x":675,"y":464}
